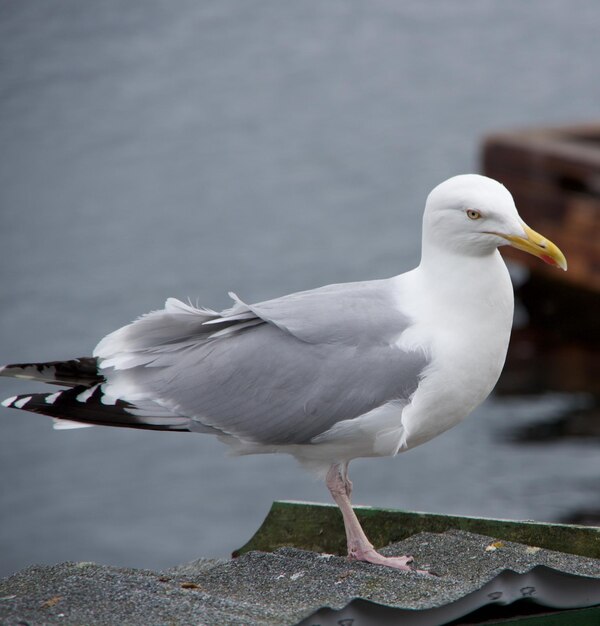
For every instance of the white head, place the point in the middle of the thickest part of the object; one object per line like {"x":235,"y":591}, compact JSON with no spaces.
{"x":473,"y":215}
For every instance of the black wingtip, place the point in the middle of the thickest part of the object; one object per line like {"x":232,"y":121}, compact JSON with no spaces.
{"x":88,"y":406}
{"x":73,"y":372}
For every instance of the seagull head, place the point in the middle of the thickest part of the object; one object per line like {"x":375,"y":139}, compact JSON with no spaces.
{"x":473,"y":215}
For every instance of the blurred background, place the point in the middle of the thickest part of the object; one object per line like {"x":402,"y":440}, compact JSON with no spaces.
{"x":153,"y":149}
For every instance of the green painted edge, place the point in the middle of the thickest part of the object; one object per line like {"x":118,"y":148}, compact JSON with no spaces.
{"x":319,"y":528}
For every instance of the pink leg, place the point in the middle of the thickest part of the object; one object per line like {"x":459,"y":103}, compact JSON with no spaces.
{"x":359,"y":547}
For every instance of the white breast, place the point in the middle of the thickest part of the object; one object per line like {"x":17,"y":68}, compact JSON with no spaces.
{"x":464,"y":323}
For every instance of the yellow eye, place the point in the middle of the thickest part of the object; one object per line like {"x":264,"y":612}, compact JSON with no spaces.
{"x":472,"y":214}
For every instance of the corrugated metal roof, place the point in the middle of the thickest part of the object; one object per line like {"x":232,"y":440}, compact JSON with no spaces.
{"x":292,"y":586}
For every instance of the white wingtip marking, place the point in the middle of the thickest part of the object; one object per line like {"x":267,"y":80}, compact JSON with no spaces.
{"x":8,"y":402}
{"x":22,"y":402}
{"x":84,"y":396}
{"x":60,"y":424}
{"x":52,"y":398}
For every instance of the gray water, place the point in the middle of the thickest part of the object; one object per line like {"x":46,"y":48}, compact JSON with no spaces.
{"x":153,"y":149}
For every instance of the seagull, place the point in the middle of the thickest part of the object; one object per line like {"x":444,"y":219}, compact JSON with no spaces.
{"x":362,"y":369}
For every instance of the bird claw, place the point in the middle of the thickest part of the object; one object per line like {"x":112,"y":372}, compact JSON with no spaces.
{"x":397,"y":562}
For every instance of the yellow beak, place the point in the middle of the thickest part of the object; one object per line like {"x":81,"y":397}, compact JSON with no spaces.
{"x":539,"y":246}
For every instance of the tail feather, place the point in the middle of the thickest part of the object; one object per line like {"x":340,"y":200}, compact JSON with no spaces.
{"x":72,"y":373}
{"x":88,"y":406}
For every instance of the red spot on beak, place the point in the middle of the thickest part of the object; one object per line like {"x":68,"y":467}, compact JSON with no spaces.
{"x":548,"y":259}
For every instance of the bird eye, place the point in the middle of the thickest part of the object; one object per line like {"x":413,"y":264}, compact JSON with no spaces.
{"x":472,"y":214}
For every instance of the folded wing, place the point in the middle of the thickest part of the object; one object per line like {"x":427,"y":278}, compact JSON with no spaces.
{"x":277,"y":372}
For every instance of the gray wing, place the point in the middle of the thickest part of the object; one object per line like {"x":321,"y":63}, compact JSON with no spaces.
{"x":277,"y":372}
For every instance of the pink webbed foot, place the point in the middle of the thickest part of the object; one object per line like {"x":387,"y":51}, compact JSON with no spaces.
{"x":359,"y":547}
{"x":372,"y":556}
{"x":397,"y":562}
